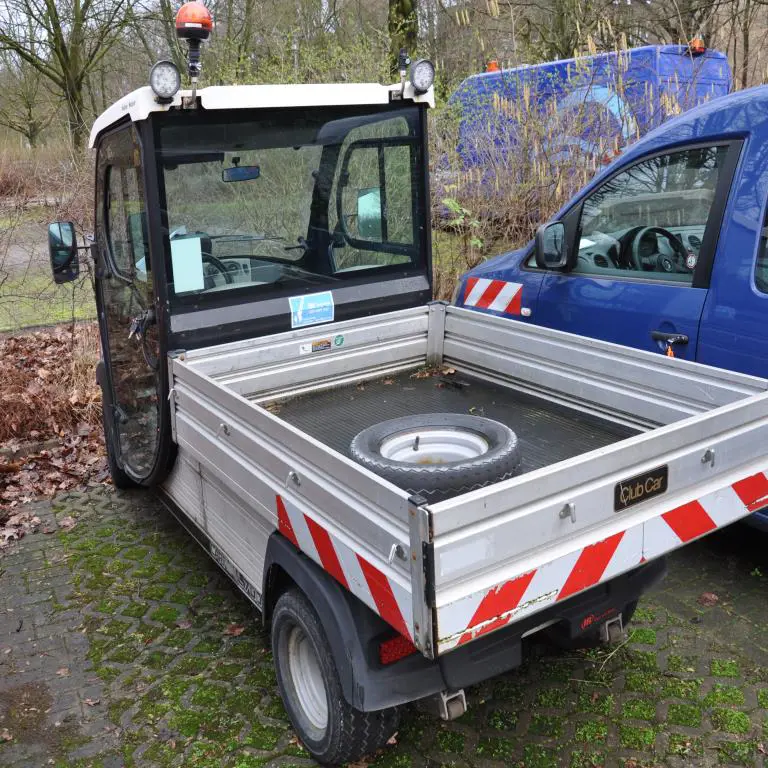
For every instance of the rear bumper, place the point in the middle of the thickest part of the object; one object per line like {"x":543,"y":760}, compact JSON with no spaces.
{"x":501,"y":651}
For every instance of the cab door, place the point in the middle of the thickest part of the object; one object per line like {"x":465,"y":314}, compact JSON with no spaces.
{"x":126,"y":304}
{"x":645,"y":242}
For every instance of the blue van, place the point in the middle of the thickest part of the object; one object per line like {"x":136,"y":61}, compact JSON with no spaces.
{"x":666,"y":249}
{"x":613,"y":98}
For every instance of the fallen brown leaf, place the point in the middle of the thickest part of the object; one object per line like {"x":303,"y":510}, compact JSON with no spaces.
{"x":67,"y":523}
{"x":183,"y":623}
{"x":5,"y":735}
{"x":92,"y":702}
{"x":708,"y":599}
{"x":63,"y":672}
{"x":234,"y":630}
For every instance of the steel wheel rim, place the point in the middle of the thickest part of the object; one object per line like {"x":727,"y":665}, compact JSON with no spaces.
{"x":434,"y":445}
{"x":307,"y":678}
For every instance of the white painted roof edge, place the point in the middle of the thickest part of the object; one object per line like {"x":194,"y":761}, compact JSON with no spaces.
{"x":139,"y":104}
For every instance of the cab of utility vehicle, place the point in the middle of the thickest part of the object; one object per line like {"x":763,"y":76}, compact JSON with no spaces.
{"x":234,"y":212}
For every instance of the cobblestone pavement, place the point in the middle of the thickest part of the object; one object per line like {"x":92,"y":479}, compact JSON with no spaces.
{"x":120,"y":645}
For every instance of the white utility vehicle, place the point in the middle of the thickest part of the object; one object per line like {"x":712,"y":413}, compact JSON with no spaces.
{"x":404,"y":489}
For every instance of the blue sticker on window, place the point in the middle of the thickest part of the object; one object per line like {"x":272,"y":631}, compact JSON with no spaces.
{"x":311,"y":309}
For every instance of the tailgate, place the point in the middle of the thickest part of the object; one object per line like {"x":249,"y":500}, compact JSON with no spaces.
{"x":515,"y":548}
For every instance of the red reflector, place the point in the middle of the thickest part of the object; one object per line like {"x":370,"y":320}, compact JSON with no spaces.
{"x":394,"y":649}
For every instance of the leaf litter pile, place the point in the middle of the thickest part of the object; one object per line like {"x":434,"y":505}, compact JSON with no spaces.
{"x":50,"y":421}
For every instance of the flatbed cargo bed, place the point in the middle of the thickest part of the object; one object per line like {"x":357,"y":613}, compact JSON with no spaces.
{"x":548,"y":432}
{"x":627,"y":456}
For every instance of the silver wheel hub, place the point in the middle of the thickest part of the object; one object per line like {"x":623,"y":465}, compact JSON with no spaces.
{"x":307,"y":678}
{"x":434,"y":445}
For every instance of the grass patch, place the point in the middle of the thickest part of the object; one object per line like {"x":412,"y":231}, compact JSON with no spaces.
{"x":496,"y":748}
{"x":637,"y":738}
{"x":731,"y":721}
{"x":742,"y":752}
{"x":682,"y":745}
{"x":724,"y":694}
{"x":450,"y":741}
{"x":724,"y":668}
{"x":591,"y":731}
{"x":31,"y":298}
{"x":684,"y":714}
{"x":639,"y":709}
{"x":643,"y":635}
{"x":551,"y":697}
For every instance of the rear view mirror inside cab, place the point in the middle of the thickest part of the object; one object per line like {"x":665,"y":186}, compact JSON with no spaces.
{"x":241,"y":173}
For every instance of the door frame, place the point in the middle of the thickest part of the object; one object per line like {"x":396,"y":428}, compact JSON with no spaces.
{"x":165,"y":448}
{"x":703,"y":271}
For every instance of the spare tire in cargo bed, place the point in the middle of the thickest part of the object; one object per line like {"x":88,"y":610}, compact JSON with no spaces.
{"x":438,"y":455}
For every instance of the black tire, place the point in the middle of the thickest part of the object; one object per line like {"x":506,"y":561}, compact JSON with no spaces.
{"x":436,"y":482}
{"x":349,"y":734}
{"x":120,"y":480}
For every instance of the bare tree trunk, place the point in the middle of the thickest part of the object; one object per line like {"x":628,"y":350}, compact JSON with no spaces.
{"x":745,"y":25}
{"x":403,"y":29}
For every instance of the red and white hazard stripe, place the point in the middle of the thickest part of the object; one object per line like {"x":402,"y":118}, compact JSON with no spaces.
{"x":382,"y":593}
{"x":496,"y":295}
{"x":486,"y":611}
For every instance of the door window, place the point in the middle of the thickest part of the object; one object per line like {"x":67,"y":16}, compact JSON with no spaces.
{"x":126,"y":290}
{"x":126,"y":222}
{"x":650,"y":221}
{"x":761,"y":266}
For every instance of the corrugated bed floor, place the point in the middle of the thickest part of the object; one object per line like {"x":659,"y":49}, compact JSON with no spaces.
{"x":548,"y":432}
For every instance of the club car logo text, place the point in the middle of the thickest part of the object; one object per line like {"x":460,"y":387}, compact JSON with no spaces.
{"x":639,"y":488}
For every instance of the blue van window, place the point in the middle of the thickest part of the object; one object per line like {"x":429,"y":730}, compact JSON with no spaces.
{"x":761,"y":266}
{"x":649,"y":221}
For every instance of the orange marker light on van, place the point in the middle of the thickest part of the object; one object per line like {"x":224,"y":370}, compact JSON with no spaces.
{"x":697,"y":47}
{"x":194,"y":18}
{"x":493,"y":66}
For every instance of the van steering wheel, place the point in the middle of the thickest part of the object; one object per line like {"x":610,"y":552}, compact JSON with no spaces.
{"x":664,"y":260}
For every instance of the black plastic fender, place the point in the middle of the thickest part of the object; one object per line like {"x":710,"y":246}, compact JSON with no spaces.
{"x":354,"y":633}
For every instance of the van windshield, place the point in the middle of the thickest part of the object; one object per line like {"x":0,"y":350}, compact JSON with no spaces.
{"x":291,"y":198}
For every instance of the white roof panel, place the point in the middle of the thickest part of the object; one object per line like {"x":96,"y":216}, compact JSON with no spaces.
{"x":139,"y":104}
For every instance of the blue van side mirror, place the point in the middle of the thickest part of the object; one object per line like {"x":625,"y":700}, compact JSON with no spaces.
{"x":62,"y":247}
{"x":551,"y":246}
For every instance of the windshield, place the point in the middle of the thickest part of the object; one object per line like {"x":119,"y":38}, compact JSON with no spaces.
{"x":291,"y":199}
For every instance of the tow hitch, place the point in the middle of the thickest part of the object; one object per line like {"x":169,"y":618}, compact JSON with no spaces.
{"x":447,"y":705}
{"x":612,"y":630}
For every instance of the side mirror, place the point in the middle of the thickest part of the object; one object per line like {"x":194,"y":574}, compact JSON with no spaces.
{"x":551,"y":246}
{"x":62,"y":246}
{"x":369,"y":216}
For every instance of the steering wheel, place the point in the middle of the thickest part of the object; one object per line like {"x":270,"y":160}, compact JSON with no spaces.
{"x":667,"y":261}
{"x":219,"y":265}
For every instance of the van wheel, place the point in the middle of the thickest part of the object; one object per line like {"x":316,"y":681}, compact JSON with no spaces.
{"x":330,"y":729}
{"x":120,"y":480}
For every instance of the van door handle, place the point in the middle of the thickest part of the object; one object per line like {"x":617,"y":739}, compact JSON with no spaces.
{"x":669,"y":338}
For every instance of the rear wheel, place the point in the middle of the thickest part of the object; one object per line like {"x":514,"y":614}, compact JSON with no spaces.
{"x":331,"y":730}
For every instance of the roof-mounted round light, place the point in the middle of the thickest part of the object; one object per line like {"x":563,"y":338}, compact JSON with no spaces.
{"x":193,"y":21}
{"x":165,"y":80}
{"x":422,"y":75}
